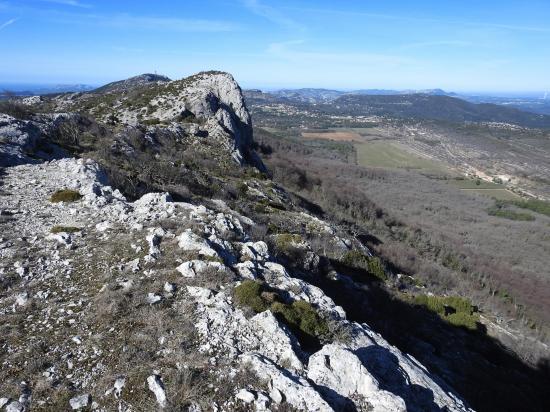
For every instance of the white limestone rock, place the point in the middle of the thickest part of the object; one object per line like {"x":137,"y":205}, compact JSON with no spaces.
{"x":157,"y":387}
{"x":153,"y":298}
{"x":296,"y":390}
{"x":153,"y":239}
{"x":245,"y":396}
{"x":21,"y":299}
{"x":195,"y":267}
{"x":15,"y":406}
{"x":18,"y":137}
{"x":190,"y":241}
{"x":120,"y":382}
{"x":80,"y":402}
{"x":341,"y":371}
{"x":255,"y":251}
{"x":277,"y":275}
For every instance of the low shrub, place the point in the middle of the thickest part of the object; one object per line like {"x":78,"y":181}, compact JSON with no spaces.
{"x":242,"y":188}
{"x":302,"y":316}
{"x":65,"y":195}
{"x":285,"y":241}
{"x":248,"y":294}
{"x":358,"y":260}
{"x":65,"y":229}
{"x":538,"y":206}
{"x":455,"y":310}
{"x":299,"y":315}
{"x":273,"y":205}
{"x":500,"y":211}
{"x":15,"y":109}
{"x":151,"y":122}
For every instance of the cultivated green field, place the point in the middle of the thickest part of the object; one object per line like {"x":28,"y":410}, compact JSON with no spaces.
{"x":473,"y":184}
{"x":391,"y":156}
{"x":499,"y":194}
{"x":490,"y":189}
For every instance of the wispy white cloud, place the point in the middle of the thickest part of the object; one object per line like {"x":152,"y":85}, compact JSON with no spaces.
{"x":287,"y":51}
{"x":272,"y":14}
{"x":166,"y":23}
{"x":351,"y":13}
{"x":125,"y":49}
{"x":73,"y":3}
{"x":414,"y":19}
{"x":440,"y":43}
{"x":513,"y":27}
{"x":125,"y":21}
{"x":7,"y":23}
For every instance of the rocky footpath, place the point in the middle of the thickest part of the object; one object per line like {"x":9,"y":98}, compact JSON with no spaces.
{"x":63,"y":264}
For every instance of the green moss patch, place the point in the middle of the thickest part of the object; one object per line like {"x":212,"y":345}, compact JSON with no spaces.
{"x":65,"y":195}
{"x":65,"y":229}
{"x":453,"y":309}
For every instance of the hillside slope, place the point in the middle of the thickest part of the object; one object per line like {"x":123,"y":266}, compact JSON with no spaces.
{"x":203,"y":304}
{"x":439,"y":107}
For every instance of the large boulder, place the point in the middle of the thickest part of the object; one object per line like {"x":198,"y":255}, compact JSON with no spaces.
{"x":18,"y":139}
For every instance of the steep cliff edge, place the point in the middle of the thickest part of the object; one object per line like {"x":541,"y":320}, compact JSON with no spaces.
{"x":114,"y":291}
{"x":204,"y":304}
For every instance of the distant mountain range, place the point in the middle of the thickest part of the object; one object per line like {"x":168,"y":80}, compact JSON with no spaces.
{"x":313,"y":95}
{"x":438,"y":107}
{"x":41,"y":89}
{"x":422,"y":105}
{"x":530,"y":102}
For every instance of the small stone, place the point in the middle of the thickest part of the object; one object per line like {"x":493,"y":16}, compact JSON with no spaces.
{"x":245,"y":396}
{"x":21,"y":299}
{"x":262,"y":402}
{"x":103,"y":226}
{"x":153,"y":298}
{"x":169,"y":287}
{"x":133,"y":265}
{"x":194,"y":407}
{"x":15,"y":406}
{"x":80,"y":402}
{"x":119,"y":385}
{"x":3,"y":402}
{"x":156,"y":386}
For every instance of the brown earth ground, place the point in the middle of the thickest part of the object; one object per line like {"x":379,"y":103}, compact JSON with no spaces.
{"x":337,"y":136}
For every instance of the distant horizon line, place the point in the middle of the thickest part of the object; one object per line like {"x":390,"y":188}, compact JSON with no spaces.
{"x":495,"y":93}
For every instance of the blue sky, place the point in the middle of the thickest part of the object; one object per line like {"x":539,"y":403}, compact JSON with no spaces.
{"x":459,"y":45}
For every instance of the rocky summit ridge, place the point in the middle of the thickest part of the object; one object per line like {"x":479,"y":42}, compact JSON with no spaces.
{"x":114,"y":298}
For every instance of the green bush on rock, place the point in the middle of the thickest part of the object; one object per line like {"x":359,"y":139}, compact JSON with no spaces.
{"x":299,"y":315}
{"x":248,"y":294}
{"x":65,"y":195}
{"x":357,"y":260}
{"x":455,"y":310}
